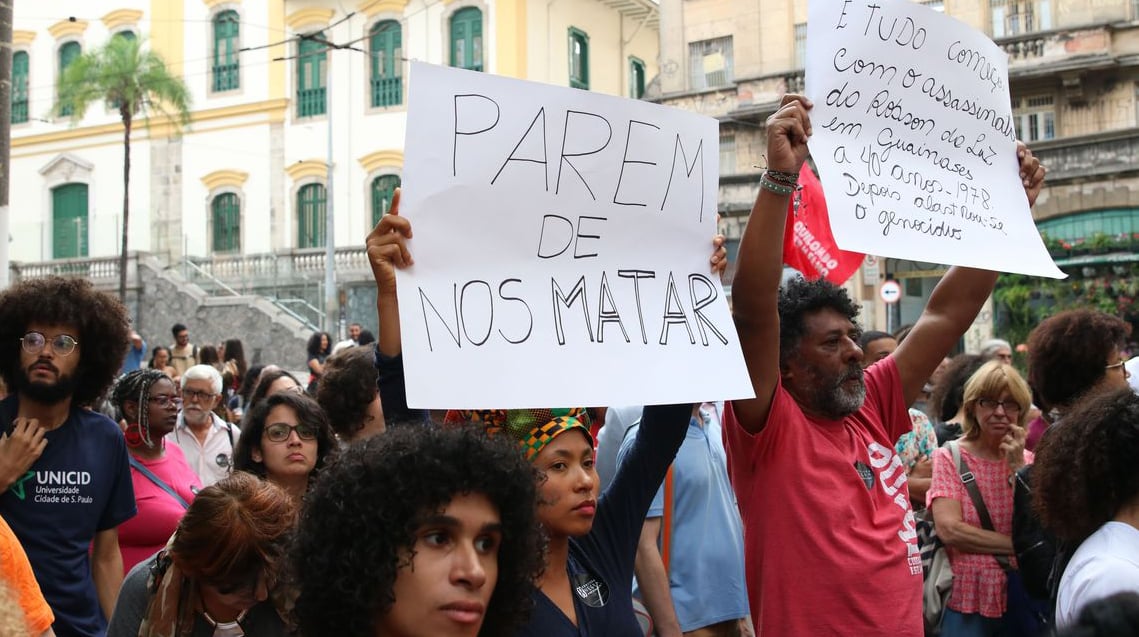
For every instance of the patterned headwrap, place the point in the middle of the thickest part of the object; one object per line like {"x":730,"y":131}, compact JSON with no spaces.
{"x":532,"y":428}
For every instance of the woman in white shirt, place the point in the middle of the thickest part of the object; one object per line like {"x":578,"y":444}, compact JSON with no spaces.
{"x":1087,"y":477}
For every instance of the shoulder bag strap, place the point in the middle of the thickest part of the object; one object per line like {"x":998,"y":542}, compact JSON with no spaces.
{"x":158,"y":481}
{"x":970,"y":482}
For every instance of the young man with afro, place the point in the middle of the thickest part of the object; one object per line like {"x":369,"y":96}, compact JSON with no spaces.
{"x":64,"y":469}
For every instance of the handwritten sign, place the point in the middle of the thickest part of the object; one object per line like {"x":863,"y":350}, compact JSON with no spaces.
{"x":914,"y":138}
{"x":561,"y":244}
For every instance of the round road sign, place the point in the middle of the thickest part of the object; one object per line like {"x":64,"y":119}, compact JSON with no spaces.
{"x":890,"y":291}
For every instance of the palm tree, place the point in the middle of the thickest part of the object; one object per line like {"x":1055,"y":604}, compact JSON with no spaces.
{"x":133,"y":80}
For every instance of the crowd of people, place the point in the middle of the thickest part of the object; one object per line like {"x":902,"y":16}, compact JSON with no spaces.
{"x":197,"y":495}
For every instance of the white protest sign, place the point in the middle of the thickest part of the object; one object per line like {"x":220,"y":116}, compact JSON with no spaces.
{"x":561,"y":246}
{"x":913,"y":135}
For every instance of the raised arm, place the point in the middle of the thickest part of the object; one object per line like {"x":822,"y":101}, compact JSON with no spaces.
{"x":954,"y":303}
{"x":387,"y":250}
{"x":760,"y":262}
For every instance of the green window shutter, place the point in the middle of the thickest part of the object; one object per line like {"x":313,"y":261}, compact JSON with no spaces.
{"x":226,"y":67}
{"x":226,"y":209}
{"x":636,"y":78}
{"x":19,"y":87}
{"x":128,"y":35}
{"x":383,"y":189}
{"x":69,"y":221}
{"x":466,"y":39}
{"x":578,"y":59}
{"x":386,"y":51}
{"x":68,"y":53}
{"x":311,"y":218}
{"x":311,"y":69}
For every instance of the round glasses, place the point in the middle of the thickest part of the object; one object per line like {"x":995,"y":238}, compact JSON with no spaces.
{"x":193,"y":394}
{"x":1010,"y":406}
{"x":280,"y":432}
{"x":34,"y":343}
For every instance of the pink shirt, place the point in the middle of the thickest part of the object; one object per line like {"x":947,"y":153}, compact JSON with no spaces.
{"x":979,"y":582}
{"x":158,"y":512}
{"x":829,"y":535}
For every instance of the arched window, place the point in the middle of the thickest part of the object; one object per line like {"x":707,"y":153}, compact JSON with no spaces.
{"x":383,"y":189}
{"x":311,"y":211}
{"x":126,"y":34}
{"x":69,"y":221}
{"x":226,"y":212}
{"x":225,"y":63}
{"x":385,"y":47}
{"x":68,"y":53}
{"x":312,"y":59}
{"x":466,"y":39}
{"x":578,"y":59}
{"x":636,"y":78}
{"x":19,"y":87}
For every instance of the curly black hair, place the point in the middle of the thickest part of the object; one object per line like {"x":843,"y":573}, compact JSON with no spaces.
{"x":799,"y":298}
{"x":365,"y":509}
{"x":346,"y":389}
{"x":100,"y":320}
{"x":253,"y":426}
{"x":1085,"y":466}
{"x":313,"y":346}
{"x":949,"y":392}
{"x":1067,"y":353}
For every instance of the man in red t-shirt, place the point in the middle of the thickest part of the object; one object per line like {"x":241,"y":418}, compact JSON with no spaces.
{"x":828,"y":529}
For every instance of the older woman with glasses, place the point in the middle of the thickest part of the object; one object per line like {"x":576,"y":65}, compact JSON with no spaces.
{"x":218,"y":574}
{"x":992,"y":449}
{"x":164,"y":483}
{"x":286,"y":439}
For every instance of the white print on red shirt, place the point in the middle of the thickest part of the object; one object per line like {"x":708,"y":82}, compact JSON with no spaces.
{"x":892,"y":478}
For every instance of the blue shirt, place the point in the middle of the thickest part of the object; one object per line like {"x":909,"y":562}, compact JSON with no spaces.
{"x":706,"y":569}
{"x":81,"y":485}
{"x":134,"y":358}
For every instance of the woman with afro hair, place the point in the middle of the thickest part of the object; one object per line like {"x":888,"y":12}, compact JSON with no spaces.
{"x":422,"y":531}
{"x":1087,"y":493}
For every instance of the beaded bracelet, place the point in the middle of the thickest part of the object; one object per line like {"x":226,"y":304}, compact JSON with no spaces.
{"x":779,"y":177}
{"x":766,"y":183}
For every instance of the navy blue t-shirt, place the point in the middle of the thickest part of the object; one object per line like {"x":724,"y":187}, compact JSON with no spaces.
{"x":79,"y":486}
{"x":601,"y":562}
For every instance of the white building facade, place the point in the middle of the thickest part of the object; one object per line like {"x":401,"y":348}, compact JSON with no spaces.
{"x":250,"y":174}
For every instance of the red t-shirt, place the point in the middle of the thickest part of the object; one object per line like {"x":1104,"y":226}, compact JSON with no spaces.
{"x":829,"y":534}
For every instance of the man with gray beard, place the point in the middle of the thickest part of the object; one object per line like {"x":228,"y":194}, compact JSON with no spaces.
{"x":829,"y":535}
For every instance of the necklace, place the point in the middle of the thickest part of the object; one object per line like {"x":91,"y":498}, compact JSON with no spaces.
{"x":226,"y":629}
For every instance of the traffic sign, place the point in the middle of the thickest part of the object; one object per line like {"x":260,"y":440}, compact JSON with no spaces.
{"x":890,"y":291}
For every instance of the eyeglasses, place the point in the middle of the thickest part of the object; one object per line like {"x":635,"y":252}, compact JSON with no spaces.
{"x":166,"y":400}
{"x":280,"y":432}
{"x":1120,"y":365}
{"x":1010,"y":406}
{"x":34,"y":343}
{"x":193,"y":394}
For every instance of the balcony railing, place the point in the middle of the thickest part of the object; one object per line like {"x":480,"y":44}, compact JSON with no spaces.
{"x":310,"y":102}
{"x":387,"y":91}
{"x":226,"y":77}
{"x":1101,"y":155}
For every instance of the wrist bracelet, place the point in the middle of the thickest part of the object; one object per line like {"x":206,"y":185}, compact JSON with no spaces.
{"x":766,"y":183}
{"x":790,"y":179}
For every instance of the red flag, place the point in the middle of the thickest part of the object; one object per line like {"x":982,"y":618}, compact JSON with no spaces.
{"x":808,"y":245}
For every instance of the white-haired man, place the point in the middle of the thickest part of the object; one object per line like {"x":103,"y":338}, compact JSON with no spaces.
{"x":205,"y":439}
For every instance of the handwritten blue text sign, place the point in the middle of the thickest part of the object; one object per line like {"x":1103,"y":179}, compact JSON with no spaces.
{"x":561,"y":249}
{"x":914,"y":138}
